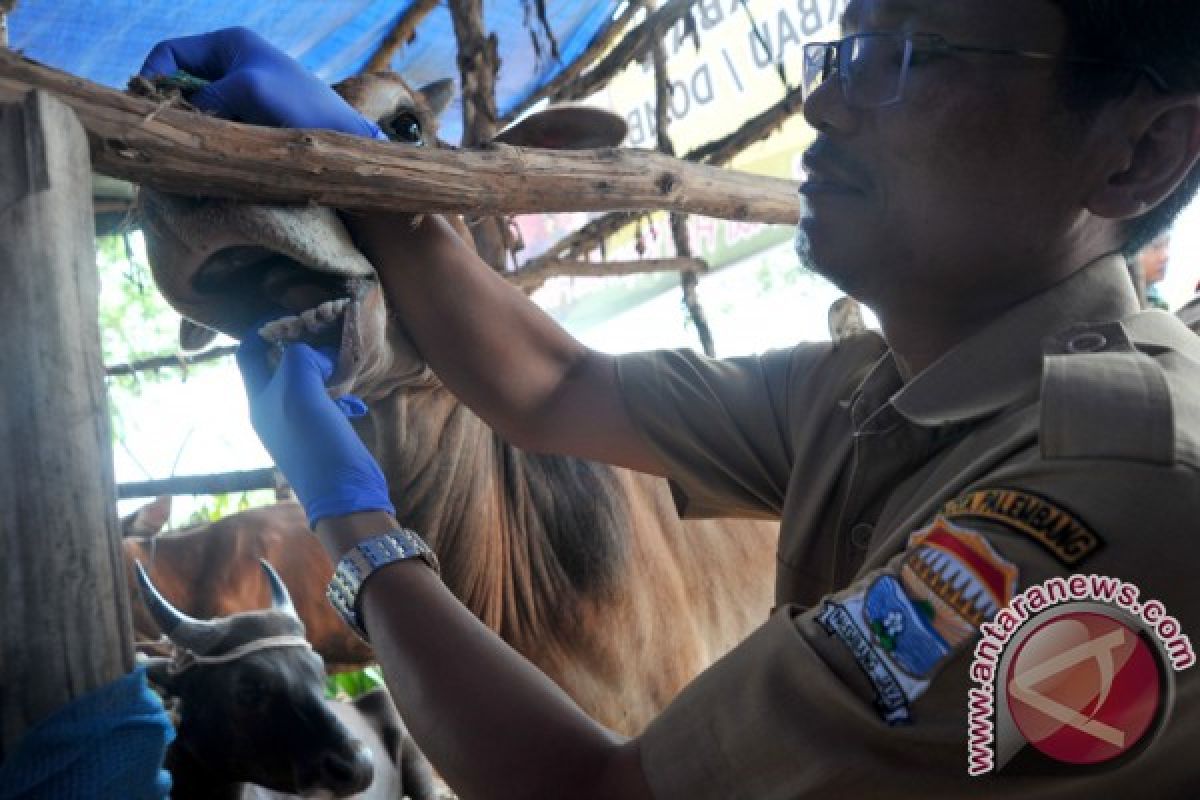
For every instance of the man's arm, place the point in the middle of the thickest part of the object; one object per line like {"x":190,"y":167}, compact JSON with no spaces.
{"x":493,"y":725}
{"x":495,"y":349}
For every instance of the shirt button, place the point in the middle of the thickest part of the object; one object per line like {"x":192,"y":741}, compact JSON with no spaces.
{"x":1090,"y":342}
{"x":860,"y":535}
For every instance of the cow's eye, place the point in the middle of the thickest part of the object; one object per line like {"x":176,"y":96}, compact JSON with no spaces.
{"x":405,"y":127}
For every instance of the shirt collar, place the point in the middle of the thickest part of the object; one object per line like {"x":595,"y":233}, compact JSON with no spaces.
{"x":1001,"y":364}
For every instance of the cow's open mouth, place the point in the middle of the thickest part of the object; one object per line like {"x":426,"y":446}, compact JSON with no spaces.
{"x":301,"y":304}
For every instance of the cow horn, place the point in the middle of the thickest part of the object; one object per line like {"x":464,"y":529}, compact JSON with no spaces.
{"x":280,"y":599}
{"x":192,"y":634}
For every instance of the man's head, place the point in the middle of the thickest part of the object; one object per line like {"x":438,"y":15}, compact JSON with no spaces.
{"x":1152,"y":260}
{"x":1010,"y":159}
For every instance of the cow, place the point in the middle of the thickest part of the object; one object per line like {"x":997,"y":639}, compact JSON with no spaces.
{"x":211,"y":570}
{"x":253,"y":720}
{"x":585,"y":569}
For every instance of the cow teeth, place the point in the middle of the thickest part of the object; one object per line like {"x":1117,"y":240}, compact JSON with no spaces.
{"x":312,"y":321}
{"x":282,"y":330}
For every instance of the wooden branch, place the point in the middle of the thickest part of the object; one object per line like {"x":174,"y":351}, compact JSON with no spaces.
{"x":598,"y":47}
{"x":192,"y":153}
{"x":401,"y":34}
{"x":178,"y":361}
{"x":220,"y":483}
{"x":635,"y":45}
{"x":533,"y":279}
{"x":716,"y":153}
{"x":721,"y":151}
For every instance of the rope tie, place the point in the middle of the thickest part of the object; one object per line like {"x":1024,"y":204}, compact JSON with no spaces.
{"x":185,"y":659}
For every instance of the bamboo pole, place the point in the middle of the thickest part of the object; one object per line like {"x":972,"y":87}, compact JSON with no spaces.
{"x":192,"y":153}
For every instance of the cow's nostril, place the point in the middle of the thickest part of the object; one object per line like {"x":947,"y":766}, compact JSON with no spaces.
{"x":348,"y":772}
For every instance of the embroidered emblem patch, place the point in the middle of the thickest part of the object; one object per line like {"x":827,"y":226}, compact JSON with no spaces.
{"x":1054,"y":528}
{"x":901,"y":629}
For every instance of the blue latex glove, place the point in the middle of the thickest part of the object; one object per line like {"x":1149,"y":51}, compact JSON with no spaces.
{"x":254,"y":82}
{"x":307,"y":432}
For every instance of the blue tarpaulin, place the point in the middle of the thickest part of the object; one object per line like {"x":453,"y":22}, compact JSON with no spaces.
{"x":106,"y":40}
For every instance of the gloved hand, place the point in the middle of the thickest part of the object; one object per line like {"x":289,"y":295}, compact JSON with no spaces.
{"x":252,"y":81}
{"x":307,"y":432}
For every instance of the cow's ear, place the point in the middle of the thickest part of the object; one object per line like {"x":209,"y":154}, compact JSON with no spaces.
{"x":158,"y":672}
{"x":567,"y":127}
{"x":193,"y":336}
{"x":438,"y":94}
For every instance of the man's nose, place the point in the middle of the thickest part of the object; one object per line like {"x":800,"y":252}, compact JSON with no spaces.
{"x":826,"y":109}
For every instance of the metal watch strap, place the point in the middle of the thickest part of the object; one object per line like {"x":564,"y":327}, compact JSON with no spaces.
{"x":362,"y":560}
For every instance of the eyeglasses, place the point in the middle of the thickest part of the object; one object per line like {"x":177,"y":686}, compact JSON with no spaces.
{"x":873,"y":67}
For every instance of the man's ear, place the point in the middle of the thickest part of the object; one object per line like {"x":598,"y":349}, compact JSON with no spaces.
{"x":1161,"y":149}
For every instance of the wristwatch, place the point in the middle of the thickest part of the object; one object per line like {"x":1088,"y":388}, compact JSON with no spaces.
{"x":362,"y":560}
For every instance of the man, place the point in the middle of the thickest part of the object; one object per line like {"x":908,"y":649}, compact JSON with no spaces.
{"x":978,"y":169}
{"x":1152,"y":267}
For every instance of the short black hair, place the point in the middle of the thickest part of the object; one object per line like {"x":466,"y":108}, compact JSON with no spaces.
{"x":1163,"y":35}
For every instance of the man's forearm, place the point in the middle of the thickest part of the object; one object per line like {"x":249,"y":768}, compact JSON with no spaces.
{"x":492,"y":724}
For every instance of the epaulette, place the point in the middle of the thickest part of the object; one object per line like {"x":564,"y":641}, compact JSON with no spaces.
{"x":1103,"y":396}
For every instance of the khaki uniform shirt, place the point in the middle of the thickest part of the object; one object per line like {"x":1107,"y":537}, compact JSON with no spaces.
{"x":1064,"y":438}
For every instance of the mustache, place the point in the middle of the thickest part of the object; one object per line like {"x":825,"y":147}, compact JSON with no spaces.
{"x":824,"y":156}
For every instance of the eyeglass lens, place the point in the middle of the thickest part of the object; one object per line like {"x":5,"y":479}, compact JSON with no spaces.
{"x":871,"y":67}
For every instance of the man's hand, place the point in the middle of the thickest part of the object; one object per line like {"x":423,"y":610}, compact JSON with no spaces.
{"x":307,"y":432}
{"x":252,"y":81}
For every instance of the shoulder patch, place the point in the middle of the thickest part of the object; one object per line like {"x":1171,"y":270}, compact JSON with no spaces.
{"x":1057,"y":530}
{"x":902,"y":628}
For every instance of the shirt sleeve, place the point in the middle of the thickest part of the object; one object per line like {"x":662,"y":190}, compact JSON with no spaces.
{"x":721,"y":426}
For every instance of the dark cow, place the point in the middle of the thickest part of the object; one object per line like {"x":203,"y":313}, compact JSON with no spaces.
{"x":584,"y":568}
{"x":252,"y":710}
{"x":211,"y":570}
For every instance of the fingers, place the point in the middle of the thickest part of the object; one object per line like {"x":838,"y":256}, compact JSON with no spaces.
{"x":205,"y":55}
{"x":253,"y":363}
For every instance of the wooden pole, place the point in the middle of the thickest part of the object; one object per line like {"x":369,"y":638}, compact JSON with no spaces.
{"x":530,"y":280}
{"x":219,"y":483}
{"x":636,"y":44}
{"x":65,"y":612}
{"x":478,"y":63}
{"x":689,"y":279}
{"x":192,"y":153}
{"x":400,"y":35}
{"x":598,"y":47}
{"x":173,"y":361}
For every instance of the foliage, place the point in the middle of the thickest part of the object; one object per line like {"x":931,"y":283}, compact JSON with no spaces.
{"x":349,"y":685}
{"x":222,"y":505}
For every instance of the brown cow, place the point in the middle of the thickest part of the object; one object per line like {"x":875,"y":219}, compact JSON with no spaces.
{"x":583,"y":568}
{"x":211,"y":570}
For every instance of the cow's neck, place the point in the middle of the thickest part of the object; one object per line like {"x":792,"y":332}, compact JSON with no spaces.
{"x":191,"y":779}
{"x":516,"y":533}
